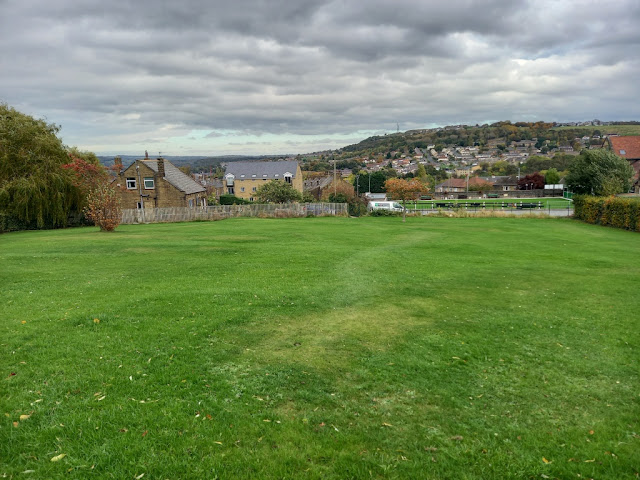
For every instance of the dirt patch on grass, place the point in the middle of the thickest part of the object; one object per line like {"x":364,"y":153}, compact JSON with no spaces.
{"x":335,"y":338}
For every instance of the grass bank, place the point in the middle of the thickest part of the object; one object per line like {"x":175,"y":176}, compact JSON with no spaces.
{"x":321,"y":348}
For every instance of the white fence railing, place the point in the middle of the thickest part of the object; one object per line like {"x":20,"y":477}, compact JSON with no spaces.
{"x":218,"y":212}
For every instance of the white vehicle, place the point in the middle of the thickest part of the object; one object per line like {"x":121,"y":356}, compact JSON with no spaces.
{"x":386,"y":205}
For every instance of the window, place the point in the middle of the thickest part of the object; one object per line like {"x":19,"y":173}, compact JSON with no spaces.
{"x":191,"y":203}
{"x":251,"y":199}
{"x":230,"y":179}
{"x":230,"y":190}
{"x":131,"y":183}
{"x":623,"y":152}
{"x":242,"y":189}
{"x":148,"y":183}
{"x":253,"y":189}
{"x":287,"y":178}
{"x":139,"y":205}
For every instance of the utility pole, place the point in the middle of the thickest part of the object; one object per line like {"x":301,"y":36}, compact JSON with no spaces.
{"x":334,"y":178}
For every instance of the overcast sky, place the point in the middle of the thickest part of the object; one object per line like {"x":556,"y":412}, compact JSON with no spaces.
{"x":215,"y":77}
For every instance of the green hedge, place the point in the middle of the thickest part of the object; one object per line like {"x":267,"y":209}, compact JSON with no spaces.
{"x":608,"y":211}
{"x":227,"y":199}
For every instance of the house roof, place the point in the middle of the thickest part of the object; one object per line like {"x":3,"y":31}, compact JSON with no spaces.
{"x":453,"y":183}
{"x":318,"y":182}
{"x":627,"y":147}
{"x":176,"y":177}
{"x":270,"y":170}
{"x":506,"y":180}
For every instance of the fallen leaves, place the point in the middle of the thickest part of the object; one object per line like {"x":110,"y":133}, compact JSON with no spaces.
{"x":57,"y":458}
{"x":24,"y":417}
{"x":546,"y":461}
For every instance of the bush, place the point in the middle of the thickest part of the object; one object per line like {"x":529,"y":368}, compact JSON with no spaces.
{"x":608,"y":211}
{"x":384,"y":213}
{"x":228,"y":199}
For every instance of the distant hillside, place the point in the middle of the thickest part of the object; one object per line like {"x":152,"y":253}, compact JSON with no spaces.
{"x":482,"y":135}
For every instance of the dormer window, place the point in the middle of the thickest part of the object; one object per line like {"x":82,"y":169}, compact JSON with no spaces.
{"x":288,"y":177}
{"x":230,"y":179}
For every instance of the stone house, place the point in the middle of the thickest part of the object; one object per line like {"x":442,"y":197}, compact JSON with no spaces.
{"x":628,"y":147}
{"x":243,"y":179}
{"x":157,"y":183}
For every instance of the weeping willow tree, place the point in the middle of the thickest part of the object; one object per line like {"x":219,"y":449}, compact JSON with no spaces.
{"x":34,"y":188}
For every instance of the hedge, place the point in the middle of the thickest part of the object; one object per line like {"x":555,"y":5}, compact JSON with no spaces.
{"x":608,"y":211}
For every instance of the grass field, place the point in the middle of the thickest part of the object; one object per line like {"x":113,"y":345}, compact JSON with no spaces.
{"x":321,"y":348}
{"x":619,"y":129}
{"x":553,"y":203}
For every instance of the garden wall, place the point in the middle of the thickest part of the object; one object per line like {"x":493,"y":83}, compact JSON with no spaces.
{"x":219,"y":212}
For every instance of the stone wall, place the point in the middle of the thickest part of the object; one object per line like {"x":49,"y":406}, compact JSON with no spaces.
{"x":219,"y":212}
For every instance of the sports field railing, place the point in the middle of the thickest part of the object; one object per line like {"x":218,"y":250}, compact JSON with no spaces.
{"x":218,"y":212}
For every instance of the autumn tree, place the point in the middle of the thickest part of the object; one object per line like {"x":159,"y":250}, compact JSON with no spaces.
{"x":99,"y":199}
{"x":404,"y":189}
{"x":103,"y":207}
{"x":532,"y":181}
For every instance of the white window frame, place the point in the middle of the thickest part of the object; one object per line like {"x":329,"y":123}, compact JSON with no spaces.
{"x":146,"y":185}
{"x":131,"y":183}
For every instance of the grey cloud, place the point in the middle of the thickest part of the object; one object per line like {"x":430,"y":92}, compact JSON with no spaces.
{"x":127,"y":70}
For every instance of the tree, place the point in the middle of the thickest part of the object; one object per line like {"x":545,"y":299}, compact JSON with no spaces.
{"x":34,"y":188}
{"x":277,"y":191}
{"x":533,"y":181}
{"x":552,"y":177}
{"x":600,"y":173}
{"x":404,"y":190}
{"x":103,"y":207}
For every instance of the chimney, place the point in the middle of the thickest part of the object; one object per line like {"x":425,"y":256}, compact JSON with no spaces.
{"x":161,"y":167}
{"x":117,"y":162}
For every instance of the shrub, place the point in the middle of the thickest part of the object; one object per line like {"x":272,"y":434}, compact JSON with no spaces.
{"x":103,"y":208}
{"x":228,"y":199}
{"x":608,"y":211}
{"x":384,"y":213}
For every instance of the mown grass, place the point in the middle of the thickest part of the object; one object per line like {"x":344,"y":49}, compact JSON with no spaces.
{"x":321,"y":348}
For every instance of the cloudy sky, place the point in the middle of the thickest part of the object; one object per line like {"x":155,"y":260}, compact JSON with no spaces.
{"x":216,"y":77}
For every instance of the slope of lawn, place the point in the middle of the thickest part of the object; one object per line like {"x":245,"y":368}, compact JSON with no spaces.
{"x":321,"y":348}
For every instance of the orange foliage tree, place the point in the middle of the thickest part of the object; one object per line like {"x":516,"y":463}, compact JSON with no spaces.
{"x":401,"y":189}
{"x":101,"y":201}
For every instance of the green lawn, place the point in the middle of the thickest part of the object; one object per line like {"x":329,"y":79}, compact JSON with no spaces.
{"x":628,"y":129}
{"x":553,"y":203}
{"x":464,"y":348}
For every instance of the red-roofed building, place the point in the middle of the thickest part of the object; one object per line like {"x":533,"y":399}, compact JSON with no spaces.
{"x":629,"y":148}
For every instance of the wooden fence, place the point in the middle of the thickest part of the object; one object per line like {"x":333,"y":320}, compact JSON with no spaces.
{"x":219,"y":212}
